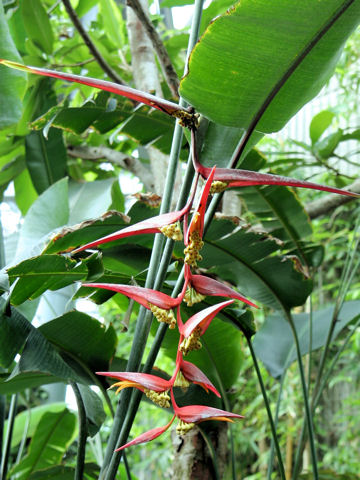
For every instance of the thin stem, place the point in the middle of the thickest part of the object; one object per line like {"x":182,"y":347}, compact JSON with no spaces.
{"x":80,"y":457}
{"x":7,"y":443}
{"x":310,"y":341}
{"x":268,"y":410}
{"x":88,"y":42}
{"x":2,"y":422}
{"x":163,"y":56}
{"x":308,"y":412}
{"x":277,"y":410}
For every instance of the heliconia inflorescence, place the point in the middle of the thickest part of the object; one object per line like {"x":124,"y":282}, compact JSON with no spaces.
{"x":196,"y":287}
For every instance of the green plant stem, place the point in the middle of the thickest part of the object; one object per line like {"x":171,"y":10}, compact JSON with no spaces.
{"x":267,"y":407}
{"x":9,"y":432}
{"x":308,"y":413}
{"x":310,"y":341}
{"x":277,"y":410}
{"x":2,"y":423}
{"x":80,"y":456}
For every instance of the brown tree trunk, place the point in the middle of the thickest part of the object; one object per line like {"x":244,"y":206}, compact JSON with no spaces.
{"x":192,"y":459}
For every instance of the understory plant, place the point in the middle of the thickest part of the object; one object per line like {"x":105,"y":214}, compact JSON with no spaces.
{"x":251,"y":70}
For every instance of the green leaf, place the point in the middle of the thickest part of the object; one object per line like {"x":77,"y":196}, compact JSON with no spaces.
{"x":95,"y":414}
{"x":86,"y":232}
{"x":325,"y":148}
{"x":11,"y":170}
{"x":83,"y":337}
{"x":53,"y":435}
{"x":112,"y":20}
{"x":274,"y":343}
{"x":45,"y":158}
{"x":24,"y":380}
{"x":25,"y":193}
{"x":84,"y":6}
{"x":88,"y":200}
{"x":37,"y":25}
{"x":49,"y":211}
{"x":319,"y":124}
{"x":59,"y":472}
{"x":117,"y":197}
{"x":246,"y":55}
{"x":246,"y":259}
{"x":12,"y":83}
{"x":281,"y":214}
{"x":32,"y":416}
{"x":46,"y":272}
{"x":14,"y":330}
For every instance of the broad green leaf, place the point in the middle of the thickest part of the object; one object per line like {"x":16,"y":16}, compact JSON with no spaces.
{"x":14,"y":330}
{"x":117,"y":197}
{"x":49,"y":211}
{"x":82,"y":336}
{"x":45,"y":158}
{"x":24,"y":380}
{"x":319,"y":124}
{"x":59,"y":472}
{"x":274,"y":343}
{"x":46,"y":272}
{"x":95,"y":414}
{"x":328,"y":475}
{"x":11,"y":170}
{"x":84,"y":6}
{"x":25,"y":193}
{"x":12,"y":83}
{"x":282,"y":215}
{"x":246,"y":259}
{"x":89,"y":200}
{"x":37,"y":25}
{"x":246,"y":55}
{"x":325,"y":147}
{"x":112,"y":21}
{"x":51,"y":439}
{"x":32,"y":416}
{"x":71,"y":237}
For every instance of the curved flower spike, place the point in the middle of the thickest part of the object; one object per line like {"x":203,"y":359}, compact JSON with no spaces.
{"x":197,"y":326}
{"x":186,"y":118}
{"x":200,"y":286}
{"x":194,"y":375}
{"x":159,"y":303}
{"x":166,"y":223}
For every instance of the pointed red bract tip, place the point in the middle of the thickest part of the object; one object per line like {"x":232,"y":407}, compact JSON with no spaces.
{"x":147,"y":436}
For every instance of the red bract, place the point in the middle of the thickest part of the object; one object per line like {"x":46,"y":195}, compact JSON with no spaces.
{"x":159,"y":303}
{"x":139,"y":380}
{"x":206,"y":286}
{"x":202,"y":319}
{"x":170,"y":108}
{"x":147,"y":436}
{"x":165,"y":223}
{"x":192,"y":373}
{"x":232,"y":177}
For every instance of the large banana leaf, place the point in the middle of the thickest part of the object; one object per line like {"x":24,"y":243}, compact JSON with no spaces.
{"x":274,"y":343}
{"x":279,"y":52}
